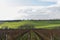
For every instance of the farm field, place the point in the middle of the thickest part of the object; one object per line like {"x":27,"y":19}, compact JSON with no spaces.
{"x":33,"y":34}
{"x":47,"y":24}
{"x":31,"y":29}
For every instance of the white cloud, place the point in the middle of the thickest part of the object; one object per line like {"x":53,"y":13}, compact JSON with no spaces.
{"x":29,"y":12}
{"x":9,"y":13}
{"x":41,"y":13}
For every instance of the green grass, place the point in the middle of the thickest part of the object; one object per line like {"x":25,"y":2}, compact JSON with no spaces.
{"x":37,"y":24}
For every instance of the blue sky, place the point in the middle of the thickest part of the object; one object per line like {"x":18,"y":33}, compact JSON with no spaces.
{"x":31,"y":2}
{"x":29,"y":9}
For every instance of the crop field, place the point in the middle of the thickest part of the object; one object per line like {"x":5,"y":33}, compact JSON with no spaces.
{"x":30,"y":30}
{"x":31,"y":34}
{"x":22,"y":24}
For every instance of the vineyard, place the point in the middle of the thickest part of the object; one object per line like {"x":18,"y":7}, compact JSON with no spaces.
{"x":30,"y":30}
{"x":32,"y":34}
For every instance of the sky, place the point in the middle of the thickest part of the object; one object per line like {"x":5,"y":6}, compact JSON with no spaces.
{"x":29,"y":9}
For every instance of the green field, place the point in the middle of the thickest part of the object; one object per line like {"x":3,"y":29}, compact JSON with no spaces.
{"x":48,"y":24}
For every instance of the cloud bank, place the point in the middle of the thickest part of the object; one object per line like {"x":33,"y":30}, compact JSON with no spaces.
{"x":29,"y":9}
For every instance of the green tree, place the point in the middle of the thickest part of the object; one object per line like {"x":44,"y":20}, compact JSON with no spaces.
{"x":26,"y":26}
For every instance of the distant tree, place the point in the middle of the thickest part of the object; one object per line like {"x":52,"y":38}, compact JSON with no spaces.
{"x":5,"y":27}
{"x":57,"y":27}
{"x":26,"y":26}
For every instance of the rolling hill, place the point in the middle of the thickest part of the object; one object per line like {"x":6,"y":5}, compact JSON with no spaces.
{"x":48,"y":24}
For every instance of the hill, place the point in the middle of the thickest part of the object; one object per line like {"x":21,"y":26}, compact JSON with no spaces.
{"x":48,"y":24}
